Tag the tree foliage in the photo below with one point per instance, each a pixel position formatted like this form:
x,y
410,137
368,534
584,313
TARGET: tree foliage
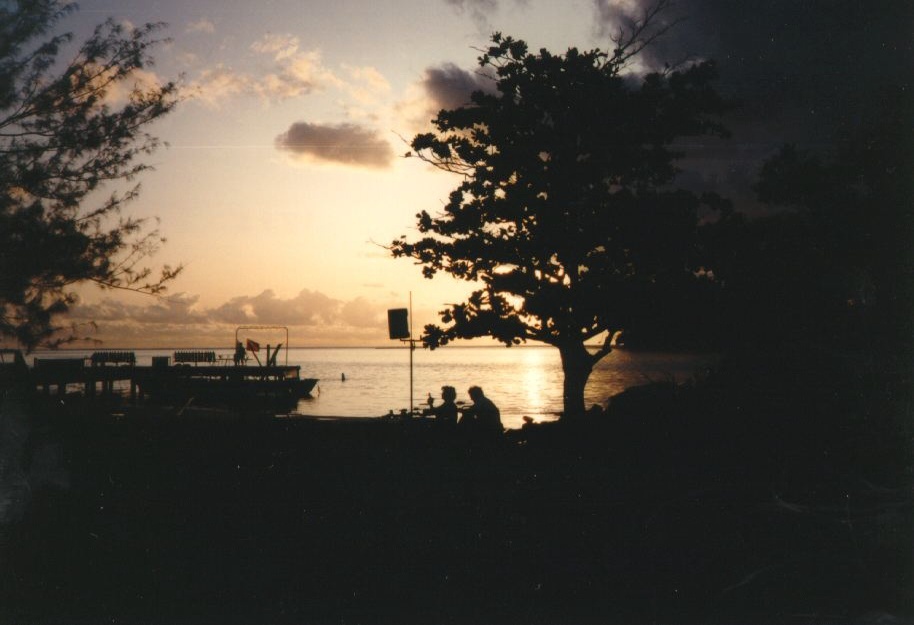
x,y
67,129
567,215
832,263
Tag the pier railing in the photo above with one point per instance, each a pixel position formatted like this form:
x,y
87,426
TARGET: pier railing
x,y
195,357
112,358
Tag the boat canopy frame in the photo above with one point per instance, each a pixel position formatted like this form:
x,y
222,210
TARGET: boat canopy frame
x,y
267,327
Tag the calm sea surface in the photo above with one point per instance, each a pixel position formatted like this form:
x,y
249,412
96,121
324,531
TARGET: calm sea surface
x,y
522,381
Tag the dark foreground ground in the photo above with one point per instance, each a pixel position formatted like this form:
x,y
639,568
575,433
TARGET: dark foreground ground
x,y
676,508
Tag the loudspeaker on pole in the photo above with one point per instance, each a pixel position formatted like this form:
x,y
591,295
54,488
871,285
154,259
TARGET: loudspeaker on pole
x,y
398,323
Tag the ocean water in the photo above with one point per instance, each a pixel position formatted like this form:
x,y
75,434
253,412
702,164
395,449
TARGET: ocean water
x,y
522,381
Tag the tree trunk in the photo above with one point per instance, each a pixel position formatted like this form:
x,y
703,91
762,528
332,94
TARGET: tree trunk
x,y
577,364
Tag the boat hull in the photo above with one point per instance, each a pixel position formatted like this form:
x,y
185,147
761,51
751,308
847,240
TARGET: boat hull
x,y
242,385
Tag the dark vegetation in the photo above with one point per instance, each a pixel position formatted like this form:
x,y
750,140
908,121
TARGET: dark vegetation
x,y
719,503
63,137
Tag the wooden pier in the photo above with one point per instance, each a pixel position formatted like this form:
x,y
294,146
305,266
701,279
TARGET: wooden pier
x,y
191,374
56,374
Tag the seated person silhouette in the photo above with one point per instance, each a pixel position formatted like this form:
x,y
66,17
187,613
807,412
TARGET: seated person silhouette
x,y
446,413
483,417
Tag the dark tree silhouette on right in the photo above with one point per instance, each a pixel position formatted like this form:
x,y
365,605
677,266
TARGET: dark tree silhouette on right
x,y
831,266
567,214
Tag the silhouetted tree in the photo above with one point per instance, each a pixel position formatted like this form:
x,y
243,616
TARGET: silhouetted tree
x,y
567,213
817,302
67,129
851,210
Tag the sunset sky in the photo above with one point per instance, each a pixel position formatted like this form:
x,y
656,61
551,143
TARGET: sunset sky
x,y
284,171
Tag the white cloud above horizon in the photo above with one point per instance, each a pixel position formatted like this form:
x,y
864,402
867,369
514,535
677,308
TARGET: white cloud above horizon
x,y
179,320
202,25
289,73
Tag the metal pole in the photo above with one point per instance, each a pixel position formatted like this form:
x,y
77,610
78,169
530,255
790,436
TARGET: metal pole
x,y
412,346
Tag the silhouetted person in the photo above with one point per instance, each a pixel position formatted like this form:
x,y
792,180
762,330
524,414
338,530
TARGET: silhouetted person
x,y
483,417
239,353
446,413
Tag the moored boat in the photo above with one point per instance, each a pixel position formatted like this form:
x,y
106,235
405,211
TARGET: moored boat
x,y
202,376
225,383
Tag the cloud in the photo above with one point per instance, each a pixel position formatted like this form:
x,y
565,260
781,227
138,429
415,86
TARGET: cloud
x,y
280,46
804,65
294,72
449,86
178,308
284,71
480,10
613,15
366,84
802,72
307,308
201,26
349,144
218,84
179,320
369,76
362,313
442,87
290,73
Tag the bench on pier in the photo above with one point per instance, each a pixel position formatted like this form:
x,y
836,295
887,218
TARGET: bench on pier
x,y
112,358
195,357
48,367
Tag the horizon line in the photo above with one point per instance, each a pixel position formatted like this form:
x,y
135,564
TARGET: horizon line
x,y
229,347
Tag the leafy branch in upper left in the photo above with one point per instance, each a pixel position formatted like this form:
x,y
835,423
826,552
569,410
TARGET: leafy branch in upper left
x,y
68,129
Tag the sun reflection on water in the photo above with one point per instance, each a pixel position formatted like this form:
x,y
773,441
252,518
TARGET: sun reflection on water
x,y
534,381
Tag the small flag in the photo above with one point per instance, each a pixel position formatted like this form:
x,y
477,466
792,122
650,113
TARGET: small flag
x,y
253,346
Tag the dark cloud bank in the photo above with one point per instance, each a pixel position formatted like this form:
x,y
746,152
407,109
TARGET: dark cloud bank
x,y
811,66
449,86
806,73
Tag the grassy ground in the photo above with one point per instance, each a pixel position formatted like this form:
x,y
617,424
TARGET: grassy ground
x,y
677,507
